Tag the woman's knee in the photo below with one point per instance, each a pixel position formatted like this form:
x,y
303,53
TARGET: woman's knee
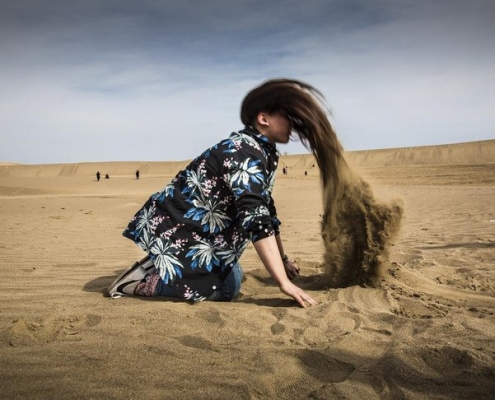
x,y
230,287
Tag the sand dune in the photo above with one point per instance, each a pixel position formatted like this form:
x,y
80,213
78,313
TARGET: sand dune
x,y
89,169
426,331
480,152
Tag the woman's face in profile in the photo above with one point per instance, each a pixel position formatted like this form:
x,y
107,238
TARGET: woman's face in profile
x,y
276,127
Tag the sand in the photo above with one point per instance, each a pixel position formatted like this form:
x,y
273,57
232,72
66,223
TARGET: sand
x,y
427,330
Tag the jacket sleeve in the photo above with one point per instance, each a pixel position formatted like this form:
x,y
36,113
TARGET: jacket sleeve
x,y
273,214
248,176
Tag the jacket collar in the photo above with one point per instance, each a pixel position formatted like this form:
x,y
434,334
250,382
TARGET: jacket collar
x,y
263,140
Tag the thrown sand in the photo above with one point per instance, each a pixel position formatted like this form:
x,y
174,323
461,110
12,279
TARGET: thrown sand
x,y
427,330
357,232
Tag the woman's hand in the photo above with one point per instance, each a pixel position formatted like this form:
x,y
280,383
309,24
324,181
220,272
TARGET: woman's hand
x,y
268,250
297,294
291,268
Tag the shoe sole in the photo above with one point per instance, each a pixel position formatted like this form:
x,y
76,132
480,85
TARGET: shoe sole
x,y
115,290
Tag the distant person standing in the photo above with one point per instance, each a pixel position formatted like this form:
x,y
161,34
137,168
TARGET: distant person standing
x,y
98,175
137,174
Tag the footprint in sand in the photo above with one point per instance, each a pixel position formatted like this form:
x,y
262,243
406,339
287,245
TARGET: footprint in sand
x,y
278,327
212,316
324,368
45,330
196,342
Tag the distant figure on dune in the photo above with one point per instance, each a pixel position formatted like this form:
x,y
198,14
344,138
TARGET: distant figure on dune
x,y
196,228
98,175
137,174
305,173
107,176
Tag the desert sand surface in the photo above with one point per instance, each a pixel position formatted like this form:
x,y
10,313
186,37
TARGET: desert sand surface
x,y
426,331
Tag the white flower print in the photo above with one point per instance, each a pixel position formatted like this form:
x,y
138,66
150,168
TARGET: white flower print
x,y
165,260
145,217
145,240
203,256
246,172
212,217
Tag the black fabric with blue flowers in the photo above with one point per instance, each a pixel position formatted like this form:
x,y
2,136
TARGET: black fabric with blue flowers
x,y
197,227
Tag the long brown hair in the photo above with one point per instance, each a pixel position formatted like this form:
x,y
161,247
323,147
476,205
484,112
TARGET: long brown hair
x,y
305,107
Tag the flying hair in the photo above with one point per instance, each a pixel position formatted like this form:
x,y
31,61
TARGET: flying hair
x,y
356,229
306,109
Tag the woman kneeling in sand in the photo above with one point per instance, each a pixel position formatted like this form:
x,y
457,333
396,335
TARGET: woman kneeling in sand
x,y
196,228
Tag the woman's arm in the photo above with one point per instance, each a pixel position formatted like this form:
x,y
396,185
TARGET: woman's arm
x,y
290,266
269,252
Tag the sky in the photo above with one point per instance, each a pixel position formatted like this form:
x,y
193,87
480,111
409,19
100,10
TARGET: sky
x,y
161,80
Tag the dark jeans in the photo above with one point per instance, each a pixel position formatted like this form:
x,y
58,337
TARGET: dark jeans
x,y
227,291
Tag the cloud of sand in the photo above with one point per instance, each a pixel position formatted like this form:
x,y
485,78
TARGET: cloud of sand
x,y
357,229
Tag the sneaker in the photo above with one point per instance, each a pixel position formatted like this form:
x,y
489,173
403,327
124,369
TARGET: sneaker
x,y
127,282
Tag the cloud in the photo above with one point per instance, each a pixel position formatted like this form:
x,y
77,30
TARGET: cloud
x,y
92,80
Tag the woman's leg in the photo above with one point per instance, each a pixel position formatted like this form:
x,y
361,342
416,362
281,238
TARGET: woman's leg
x,y
228,290
128,281
154,286
230,287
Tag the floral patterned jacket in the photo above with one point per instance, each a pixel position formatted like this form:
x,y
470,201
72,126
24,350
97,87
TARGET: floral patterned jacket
x,y
196,228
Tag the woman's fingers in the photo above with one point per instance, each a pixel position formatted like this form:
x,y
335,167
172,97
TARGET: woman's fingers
x,y
291,269
305,299
298,294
